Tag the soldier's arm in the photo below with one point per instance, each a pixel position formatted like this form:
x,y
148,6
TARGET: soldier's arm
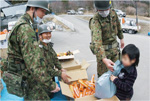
x,y
54,72
97,38
120,33
32,55
52,86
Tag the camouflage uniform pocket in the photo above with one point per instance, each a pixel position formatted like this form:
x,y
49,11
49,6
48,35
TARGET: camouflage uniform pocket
x,y
14,83
93,49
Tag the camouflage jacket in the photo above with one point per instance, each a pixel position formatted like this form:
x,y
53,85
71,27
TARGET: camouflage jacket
x,y
105,31
52,60
23,45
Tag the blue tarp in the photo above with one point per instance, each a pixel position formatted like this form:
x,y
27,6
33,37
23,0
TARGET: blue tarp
x,y
6,96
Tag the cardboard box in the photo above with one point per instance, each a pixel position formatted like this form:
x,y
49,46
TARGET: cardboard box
x,y
87,98
3,53
93,98
114,98
3,37
76,71
73,68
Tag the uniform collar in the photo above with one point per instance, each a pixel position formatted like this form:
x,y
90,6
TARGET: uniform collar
x,y
96,16
45,47
28,19
129,69
41,45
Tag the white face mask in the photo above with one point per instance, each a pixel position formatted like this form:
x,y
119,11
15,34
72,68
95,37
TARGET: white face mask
x,y
37,19
104,13
46,40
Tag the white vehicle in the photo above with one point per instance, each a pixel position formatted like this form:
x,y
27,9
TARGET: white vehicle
x,y
10,14
71,12
80,11
129,26
120,13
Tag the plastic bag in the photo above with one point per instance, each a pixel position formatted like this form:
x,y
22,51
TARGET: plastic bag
x,y
105,88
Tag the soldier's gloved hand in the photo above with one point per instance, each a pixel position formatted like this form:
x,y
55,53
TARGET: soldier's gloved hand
x,y
109,64
122,43
65,77
57,89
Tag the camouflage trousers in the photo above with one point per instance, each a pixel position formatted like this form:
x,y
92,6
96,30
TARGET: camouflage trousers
x,y
112,54
38,93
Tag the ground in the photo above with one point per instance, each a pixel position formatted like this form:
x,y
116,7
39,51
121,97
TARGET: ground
x,y
64,41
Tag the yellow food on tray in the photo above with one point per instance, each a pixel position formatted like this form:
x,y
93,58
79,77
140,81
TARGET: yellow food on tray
x,y
64,54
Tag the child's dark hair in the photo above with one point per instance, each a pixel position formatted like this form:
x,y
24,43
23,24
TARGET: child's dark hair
x,y
133,52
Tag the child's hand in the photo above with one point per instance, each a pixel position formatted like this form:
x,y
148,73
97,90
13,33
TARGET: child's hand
x,y
112,78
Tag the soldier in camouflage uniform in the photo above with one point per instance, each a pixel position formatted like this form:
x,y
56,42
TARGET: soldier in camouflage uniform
x,y
105,27
26,58
44,33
